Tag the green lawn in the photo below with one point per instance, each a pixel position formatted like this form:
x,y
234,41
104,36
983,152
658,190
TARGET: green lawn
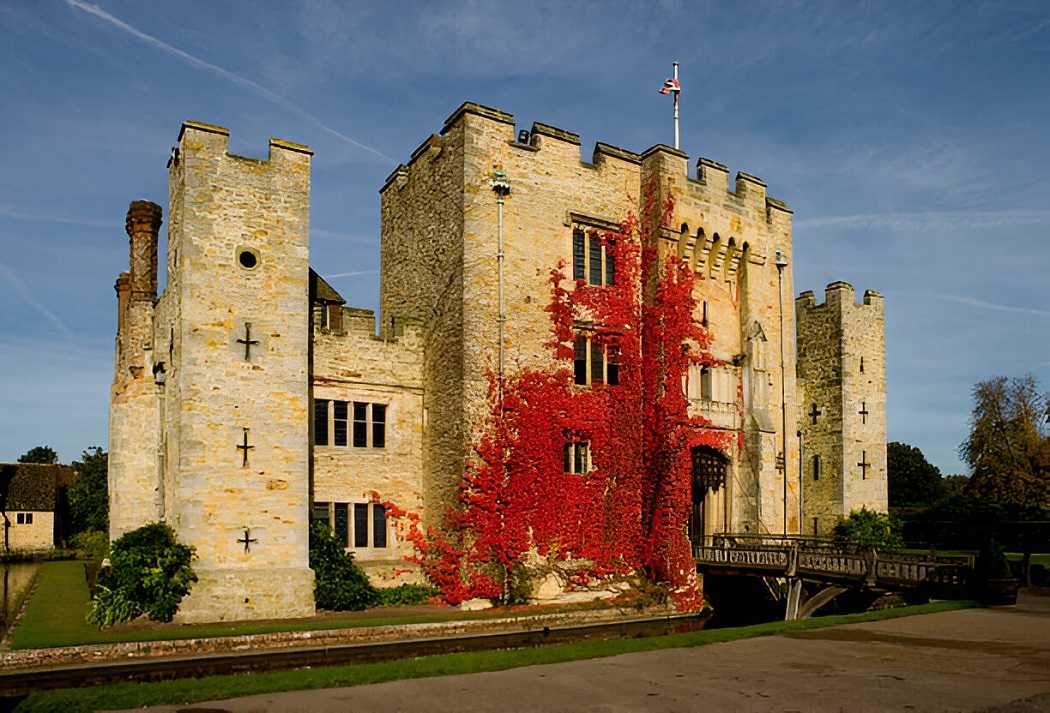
x,y
55,617
1042,558
134,695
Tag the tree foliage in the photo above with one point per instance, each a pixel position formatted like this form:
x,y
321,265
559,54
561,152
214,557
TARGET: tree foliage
x,y
913,481
867,528
89,493
39,454
149,574
1008,442
339,584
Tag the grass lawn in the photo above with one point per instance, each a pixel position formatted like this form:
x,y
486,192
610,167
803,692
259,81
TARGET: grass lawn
x,y
133,695
1041,558
55,617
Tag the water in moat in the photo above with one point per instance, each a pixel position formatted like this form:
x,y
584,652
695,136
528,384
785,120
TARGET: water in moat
x,y
15,579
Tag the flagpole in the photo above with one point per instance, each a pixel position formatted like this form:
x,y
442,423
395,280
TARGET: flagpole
x,y
676,93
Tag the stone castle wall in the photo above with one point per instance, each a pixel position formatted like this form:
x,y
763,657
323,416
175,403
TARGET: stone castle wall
x,y
422,278
552,191
353,364
134,401
226,205
833,338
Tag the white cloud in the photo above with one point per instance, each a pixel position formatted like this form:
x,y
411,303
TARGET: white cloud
x,y
956,220
22,290
237,79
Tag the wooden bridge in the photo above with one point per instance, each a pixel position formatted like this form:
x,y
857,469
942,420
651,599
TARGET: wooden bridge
x,y
835,567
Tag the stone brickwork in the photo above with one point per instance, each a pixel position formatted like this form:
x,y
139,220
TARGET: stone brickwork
x,y
36,535
198,393
351,364
842,406
185,392
440,216
134,402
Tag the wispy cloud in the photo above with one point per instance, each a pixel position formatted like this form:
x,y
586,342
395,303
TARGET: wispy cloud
x,y
47,218
22,290
237,79
348,237
958,220
355,273
982,304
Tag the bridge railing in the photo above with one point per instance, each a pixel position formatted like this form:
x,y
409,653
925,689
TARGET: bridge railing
x,y
795,556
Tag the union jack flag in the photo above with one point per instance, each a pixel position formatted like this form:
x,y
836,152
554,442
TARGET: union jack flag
x,y
671,85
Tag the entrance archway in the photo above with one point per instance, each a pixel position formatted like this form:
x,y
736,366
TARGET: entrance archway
x,y
709,469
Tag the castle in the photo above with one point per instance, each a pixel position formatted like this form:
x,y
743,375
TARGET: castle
x,y
248,399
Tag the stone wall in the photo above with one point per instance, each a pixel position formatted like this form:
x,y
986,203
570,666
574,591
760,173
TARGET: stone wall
x,y
440,207
353,364
422,278
38,535
133,414
223,207
833,338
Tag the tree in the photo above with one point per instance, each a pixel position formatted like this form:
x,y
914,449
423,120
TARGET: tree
x,y
39,454
1008,441
913,481
89,493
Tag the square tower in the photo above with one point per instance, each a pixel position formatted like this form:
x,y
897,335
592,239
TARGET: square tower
x,y
233,327
842,405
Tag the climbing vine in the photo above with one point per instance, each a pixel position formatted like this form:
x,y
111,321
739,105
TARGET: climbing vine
x,y
629,510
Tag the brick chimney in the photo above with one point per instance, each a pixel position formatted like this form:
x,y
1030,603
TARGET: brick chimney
x,y
143,223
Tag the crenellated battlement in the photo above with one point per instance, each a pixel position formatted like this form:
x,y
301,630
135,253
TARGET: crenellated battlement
x,y
200,136
710,174
839,295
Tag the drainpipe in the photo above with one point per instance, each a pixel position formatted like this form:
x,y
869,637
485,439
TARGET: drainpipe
x,y
801,467
501,187
781,263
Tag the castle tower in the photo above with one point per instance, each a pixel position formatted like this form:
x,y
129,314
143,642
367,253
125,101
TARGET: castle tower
x,y
133,425
842,405
233,327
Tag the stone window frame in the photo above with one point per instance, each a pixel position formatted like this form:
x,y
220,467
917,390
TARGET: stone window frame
x,y
371,507
584,239
576,457
350,432
610,365
24,518
719,386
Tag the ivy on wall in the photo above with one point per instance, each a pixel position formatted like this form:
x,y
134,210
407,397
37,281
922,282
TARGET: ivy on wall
x,y
629,511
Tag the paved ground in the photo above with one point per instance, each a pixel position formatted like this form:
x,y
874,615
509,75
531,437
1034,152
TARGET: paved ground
x,y
970,660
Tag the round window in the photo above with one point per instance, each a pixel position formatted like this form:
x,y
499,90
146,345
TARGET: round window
x,y
247,258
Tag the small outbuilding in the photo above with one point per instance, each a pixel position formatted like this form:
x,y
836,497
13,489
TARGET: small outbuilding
x,y
33,505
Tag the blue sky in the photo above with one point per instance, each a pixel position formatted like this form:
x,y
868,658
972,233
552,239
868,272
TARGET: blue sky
x,y
910,139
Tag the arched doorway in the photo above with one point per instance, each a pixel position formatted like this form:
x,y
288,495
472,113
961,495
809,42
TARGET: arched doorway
x,y
709,468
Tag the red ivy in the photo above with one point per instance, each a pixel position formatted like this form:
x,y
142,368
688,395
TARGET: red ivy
x,y
630,511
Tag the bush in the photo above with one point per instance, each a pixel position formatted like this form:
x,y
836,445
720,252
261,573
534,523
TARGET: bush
x,y
339,584
867,528
405,594
149,574
92,544
992,562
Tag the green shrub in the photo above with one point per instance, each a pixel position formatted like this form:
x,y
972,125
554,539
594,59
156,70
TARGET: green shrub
x,y
149,574
339,584
867,528
405,594
91,544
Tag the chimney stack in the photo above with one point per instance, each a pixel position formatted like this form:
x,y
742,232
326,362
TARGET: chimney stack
x,y
143,224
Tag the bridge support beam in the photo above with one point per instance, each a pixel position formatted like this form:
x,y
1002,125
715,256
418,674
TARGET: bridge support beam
x,y
799,607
